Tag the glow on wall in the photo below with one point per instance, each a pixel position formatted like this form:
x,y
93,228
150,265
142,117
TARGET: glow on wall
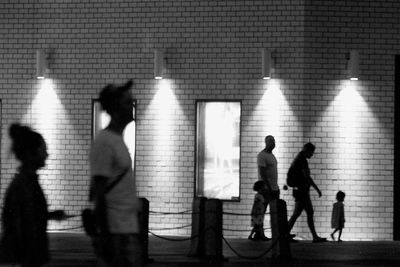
x,y
218,150
271,109
351,139
46,112
101,120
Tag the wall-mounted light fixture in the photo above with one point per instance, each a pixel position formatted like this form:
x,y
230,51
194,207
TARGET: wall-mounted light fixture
x,y
266,64
158,64
41,64
353,65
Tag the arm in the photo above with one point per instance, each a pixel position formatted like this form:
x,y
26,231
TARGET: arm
x,y
343,220
100,186
315,186
306,172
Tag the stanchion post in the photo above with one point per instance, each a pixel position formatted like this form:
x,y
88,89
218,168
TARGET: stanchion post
x,y
213,229
197,243
144,227
280,231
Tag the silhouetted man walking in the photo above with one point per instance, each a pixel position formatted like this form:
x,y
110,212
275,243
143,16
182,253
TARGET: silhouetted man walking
x,y
299,173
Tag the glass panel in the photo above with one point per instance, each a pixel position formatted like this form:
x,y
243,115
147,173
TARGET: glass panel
x,y
218,150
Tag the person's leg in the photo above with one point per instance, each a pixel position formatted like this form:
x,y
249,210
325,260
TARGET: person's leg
x,y
127,250
333,233
340,234
310,216
258,232
298,209
251,233
308,207
261,236
267,198
115,249
103,253
134,251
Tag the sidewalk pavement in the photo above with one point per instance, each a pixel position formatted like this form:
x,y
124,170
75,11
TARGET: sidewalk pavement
x,y
74,250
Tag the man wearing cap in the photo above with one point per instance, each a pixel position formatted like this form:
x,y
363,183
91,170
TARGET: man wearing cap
x,y
113,185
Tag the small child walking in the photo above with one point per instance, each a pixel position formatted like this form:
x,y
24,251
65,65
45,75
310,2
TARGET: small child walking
x,y
338,219
257,212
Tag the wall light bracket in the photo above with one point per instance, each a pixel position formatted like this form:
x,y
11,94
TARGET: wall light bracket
x,y
41,64
159,63
266,64
353,65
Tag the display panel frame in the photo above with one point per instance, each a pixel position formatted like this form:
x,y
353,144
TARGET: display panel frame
x,y
217,149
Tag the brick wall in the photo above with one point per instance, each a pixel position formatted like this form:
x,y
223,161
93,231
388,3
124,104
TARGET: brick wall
x,y
213,52
352,121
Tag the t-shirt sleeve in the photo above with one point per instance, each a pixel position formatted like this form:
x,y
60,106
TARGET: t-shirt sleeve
x,y
261,162
101,159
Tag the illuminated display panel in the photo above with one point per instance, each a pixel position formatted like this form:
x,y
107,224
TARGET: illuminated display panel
x,y
101,120
218,150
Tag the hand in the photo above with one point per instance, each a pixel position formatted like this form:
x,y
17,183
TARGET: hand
x,y
319,194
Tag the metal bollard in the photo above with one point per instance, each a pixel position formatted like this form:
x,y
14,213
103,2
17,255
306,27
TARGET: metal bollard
x,y
197,243
144,227
280,231
213,229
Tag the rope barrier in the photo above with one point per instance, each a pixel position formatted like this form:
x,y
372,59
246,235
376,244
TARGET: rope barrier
x,y
245,230
188,212
67,229
174,239
171,213
181,239
251,257
241,214
171,228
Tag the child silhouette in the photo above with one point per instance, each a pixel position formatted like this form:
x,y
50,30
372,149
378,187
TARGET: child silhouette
x,y
257,212
338,220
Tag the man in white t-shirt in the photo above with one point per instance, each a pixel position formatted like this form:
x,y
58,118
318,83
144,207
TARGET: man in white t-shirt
x,y
267,166
113,184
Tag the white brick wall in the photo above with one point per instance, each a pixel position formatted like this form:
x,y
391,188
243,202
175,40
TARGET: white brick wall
x,y
213,52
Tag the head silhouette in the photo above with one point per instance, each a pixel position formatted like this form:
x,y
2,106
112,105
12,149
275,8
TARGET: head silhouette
x,y
269,143
309,149
117,101
340,196
28,146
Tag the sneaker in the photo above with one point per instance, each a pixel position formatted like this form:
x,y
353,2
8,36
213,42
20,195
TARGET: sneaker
x,y
319,240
